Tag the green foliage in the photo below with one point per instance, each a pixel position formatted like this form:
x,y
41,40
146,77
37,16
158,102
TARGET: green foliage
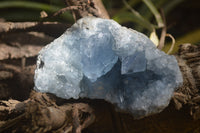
x,y
27,10
145,17
142,15
146,9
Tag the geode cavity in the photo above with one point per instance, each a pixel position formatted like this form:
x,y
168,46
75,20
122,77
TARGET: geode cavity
x,y
99,59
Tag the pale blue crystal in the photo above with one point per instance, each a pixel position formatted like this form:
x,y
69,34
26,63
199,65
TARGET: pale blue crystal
x,y
99,59
95,63
134,63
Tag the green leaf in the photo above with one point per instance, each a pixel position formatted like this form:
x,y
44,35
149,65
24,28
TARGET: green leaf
x,y
35,6
155,12
133,17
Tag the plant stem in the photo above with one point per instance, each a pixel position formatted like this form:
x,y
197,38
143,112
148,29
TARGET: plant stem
x,y
192,37
139,18
155,12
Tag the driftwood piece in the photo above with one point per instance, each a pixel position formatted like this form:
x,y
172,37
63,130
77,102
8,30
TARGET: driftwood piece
x,y
22,44
56,28
88,8
36,112
41,112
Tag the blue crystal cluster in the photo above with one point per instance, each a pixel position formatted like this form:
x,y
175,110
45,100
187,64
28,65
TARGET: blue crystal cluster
x,y
99,59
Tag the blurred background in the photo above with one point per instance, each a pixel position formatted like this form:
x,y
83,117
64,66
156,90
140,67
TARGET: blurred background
x,y
182,16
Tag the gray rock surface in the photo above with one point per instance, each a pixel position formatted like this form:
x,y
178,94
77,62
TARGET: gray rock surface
x,y
99,59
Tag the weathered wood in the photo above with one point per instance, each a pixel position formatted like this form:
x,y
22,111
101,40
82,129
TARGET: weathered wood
x,y
47,113
89,8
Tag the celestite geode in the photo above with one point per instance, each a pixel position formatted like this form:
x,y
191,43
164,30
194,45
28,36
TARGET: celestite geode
x,y
99,59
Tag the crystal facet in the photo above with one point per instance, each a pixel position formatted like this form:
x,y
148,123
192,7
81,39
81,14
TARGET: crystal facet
x,y
99,59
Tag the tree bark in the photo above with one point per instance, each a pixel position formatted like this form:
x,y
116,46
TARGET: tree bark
x,y
89,8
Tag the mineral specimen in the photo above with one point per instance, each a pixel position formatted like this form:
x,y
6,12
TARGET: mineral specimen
x,y
99,59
